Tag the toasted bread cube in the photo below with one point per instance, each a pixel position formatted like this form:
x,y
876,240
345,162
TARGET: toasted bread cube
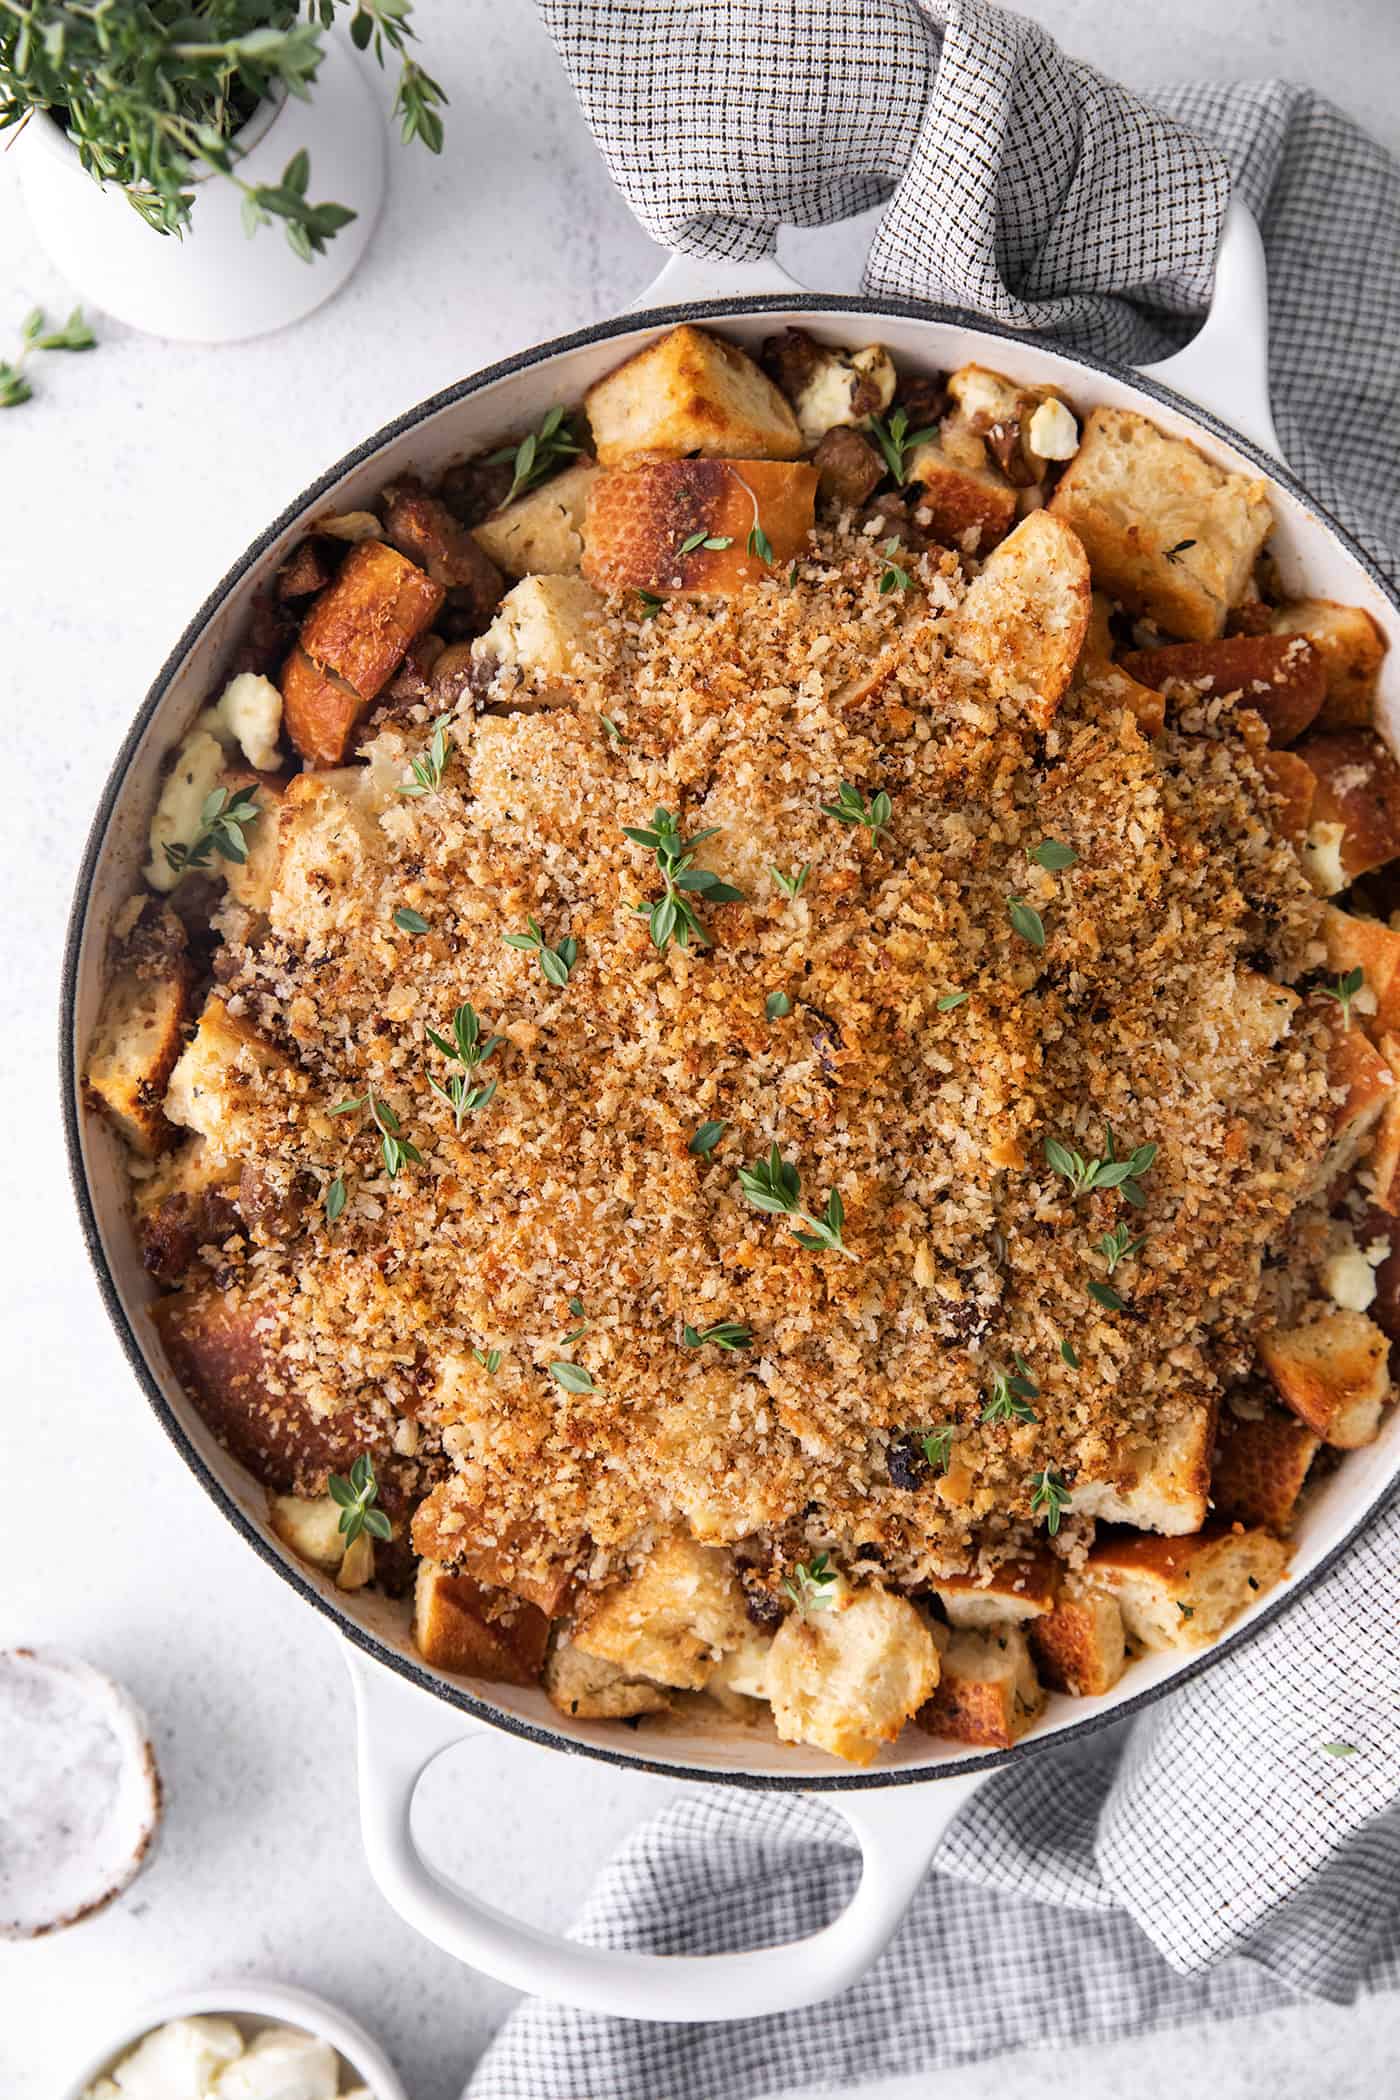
x,y
1382,1168
1360,1073
361,627
320,710
1368,945
1163,1483
1183,1592
593,1690
542,629
690,391
459,1626
1333,1371
961,504
541,533
138,1039
671,1618
1110,687
1352,649
1295,785
848,1677
217,1076
1014,1592
1356,810
1135,495
1025,616
327,834
640,518
1261,1462
449,1527
1280,676
987,1691
250,880
1079,1646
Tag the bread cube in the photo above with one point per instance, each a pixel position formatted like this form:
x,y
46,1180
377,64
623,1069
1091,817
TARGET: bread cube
x,y
219,1078
1167,534
1183,1592
459,1626
1352,649
1355,821
670,1618
848,1677
1014,1592
137,1041
352,641
450,1528
1079,1647
1294,783
1368,945
639,519
987,1692
1025,616
690,391
593,1690
1360,1073
1382,1169
249,881
1163,1482
1261,1462
542,629
541,533
1333,1371
1280,676
327,837
960,504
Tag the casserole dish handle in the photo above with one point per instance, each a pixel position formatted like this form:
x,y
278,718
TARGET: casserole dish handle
x,y
402,1730
1223,369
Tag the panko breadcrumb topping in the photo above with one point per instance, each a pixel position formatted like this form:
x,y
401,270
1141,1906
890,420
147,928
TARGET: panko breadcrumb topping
x,y
569,1224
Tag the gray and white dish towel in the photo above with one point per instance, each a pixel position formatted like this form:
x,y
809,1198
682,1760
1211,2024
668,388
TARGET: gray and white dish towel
x,y
1210,1858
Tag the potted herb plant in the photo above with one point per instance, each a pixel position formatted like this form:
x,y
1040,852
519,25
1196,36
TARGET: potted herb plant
x,y
165,140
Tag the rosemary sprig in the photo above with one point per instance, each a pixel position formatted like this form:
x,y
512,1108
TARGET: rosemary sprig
x,y
850,807
393,1145
556,963
812,1584
672,916
223,828
1049,1498
1011,1396
1344,989
724,1334
430,766
538,454
467,1049
355,1498
774,1185
35,334
896,440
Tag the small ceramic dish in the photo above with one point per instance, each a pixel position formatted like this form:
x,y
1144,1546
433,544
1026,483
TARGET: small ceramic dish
x,y
251,2007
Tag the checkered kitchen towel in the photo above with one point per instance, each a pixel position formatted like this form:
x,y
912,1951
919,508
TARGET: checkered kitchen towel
x,y
1212,1858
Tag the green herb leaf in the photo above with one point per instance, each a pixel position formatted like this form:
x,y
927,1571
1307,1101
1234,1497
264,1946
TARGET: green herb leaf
x,y
427,769
1053,854
1107,1296
1106,1173
896,440
409,921
1344,989
758,543
850,808
950,1000
794,884
555,963
1174,554
615,735
224,821
1011,1395
1067,1352
937,1445
1119,1245
1340,1749
355,1499
538,454
572,1377
774,1185
1026,921
811,1584
335,1199
777,1005
706,1138
489,1359
672,916
725,1334
1049,1498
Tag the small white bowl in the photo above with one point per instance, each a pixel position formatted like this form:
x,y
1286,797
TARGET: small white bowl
x,y
252,2006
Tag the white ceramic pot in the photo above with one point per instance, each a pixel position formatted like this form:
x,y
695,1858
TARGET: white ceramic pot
x,y
252,2006
216,283
1215,394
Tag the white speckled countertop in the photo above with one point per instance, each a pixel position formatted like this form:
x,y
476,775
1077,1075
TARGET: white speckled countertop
x,y
129,485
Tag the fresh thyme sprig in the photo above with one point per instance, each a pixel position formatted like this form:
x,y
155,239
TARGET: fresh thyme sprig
x,y
1344,989
672,916
705,1139
355,1499
556,963
812,1584
1049,1498
489,1359
896,440
1025,920
429,768
573,1377
850,807
1011,1396
383,22
223,826
794,884
774,1185
1106,1173
894,577
937,1445
393,1145
466,1048
758,543
724,1334
335,1198
651,604
1120,1245
713,542
1053,854
538,454
35,334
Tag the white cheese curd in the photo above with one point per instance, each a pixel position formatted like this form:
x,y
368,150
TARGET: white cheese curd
x,y
179,812
250,708
180,2061
282,2064
1348,1279
1053,432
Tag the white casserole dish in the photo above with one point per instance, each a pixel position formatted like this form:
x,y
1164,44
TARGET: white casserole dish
x,y
408,1712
